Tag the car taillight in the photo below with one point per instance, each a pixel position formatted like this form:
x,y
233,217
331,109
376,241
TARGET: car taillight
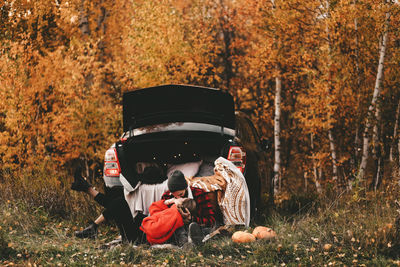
x,y
111,163
238,157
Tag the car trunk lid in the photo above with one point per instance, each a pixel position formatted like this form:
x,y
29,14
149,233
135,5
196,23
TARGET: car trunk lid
x,y
177,103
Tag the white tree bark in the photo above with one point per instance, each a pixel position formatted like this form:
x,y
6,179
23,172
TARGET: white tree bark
x,y
378,175
330,89
83,20
305,175
377,148
357,140
395,134
277,132
398,151
317,173
370,120
277,180
333,154
375,130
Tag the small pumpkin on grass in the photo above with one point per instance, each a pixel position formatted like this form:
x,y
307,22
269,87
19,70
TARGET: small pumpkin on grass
x,y
262,232
243,237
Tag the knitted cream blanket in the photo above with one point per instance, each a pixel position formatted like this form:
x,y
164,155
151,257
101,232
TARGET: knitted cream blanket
x,y
233,194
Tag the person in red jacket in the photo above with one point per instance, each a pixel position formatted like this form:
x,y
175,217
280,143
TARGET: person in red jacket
x,y
163,221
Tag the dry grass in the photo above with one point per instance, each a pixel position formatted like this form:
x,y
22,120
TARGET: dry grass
x,y
37,223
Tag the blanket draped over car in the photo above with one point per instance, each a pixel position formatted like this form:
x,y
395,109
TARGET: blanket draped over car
x,y
231,187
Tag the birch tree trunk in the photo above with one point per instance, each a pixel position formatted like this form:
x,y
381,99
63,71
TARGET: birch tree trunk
x,y
398,151
377,148
330,89
357,140
85,29
315,168
395,134
277,132
333,154
305,176
83,20
277,179
370,120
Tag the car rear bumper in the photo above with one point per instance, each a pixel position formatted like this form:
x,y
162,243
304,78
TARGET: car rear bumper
x,y
112,181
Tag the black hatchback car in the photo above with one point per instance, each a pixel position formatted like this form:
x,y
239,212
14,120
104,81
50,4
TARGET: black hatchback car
x,y
174,124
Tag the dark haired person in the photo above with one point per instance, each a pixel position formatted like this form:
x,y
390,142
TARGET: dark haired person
x,y
205,215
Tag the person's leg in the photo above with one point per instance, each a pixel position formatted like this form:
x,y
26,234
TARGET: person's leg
x,y
81,185
195,234
91,230
118,211
92,191
180,237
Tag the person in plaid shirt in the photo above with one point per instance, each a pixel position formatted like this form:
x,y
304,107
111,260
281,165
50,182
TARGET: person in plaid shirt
x,y
205,218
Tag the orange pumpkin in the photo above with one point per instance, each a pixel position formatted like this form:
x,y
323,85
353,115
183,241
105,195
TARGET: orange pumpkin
x,y
243,237
262,232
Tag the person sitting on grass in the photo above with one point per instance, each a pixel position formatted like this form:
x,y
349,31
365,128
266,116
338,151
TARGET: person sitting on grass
x,y
165,221
204,219
117,209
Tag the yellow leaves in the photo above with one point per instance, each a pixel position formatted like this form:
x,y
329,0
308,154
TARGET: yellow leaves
x,y
327,247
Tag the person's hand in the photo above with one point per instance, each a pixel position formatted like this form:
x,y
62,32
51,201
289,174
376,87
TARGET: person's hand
x,y
176,201
186,216
169,201
179,201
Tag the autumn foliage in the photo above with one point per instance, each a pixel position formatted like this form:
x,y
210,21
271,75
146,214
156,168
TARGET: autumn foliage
x,y
65,64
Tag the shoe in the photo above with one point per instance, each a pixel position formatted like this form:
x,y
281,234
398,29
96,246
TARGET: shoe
x,y
195,234
112,244
181,236
88,232
80,184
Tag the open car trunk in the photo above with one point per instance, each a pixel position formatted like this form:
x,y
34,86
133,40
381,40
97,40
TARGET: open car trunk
x,y
174,124
166,148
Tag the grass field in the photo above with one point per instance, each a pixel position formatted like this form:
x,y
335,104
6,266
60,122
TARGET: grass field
x,y
341,231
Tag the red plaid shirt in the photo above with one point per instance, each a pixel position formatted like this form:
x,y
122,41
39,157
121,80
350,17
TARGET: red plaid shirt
x,y
205,213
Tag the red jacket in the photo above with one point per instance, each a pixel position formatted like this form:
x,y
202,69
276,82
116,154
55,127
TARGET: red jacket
x,y
162,222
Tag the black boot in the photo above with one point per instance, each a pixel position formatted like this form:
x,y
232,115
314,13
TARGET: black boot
x,y
88,232
79,184
181,236
195,234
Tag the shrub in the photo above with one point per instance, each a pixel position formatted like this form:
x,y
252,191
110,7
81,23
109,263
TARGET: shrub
x,y
46,188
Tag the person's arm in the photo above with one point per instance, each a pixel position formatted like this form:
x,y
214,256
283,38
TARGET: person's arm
x,y
205,212
161,226
157,207
167,195
186,216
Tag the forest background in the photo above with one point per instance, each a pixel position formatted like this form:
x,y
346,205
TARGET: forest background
x,y
319,78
